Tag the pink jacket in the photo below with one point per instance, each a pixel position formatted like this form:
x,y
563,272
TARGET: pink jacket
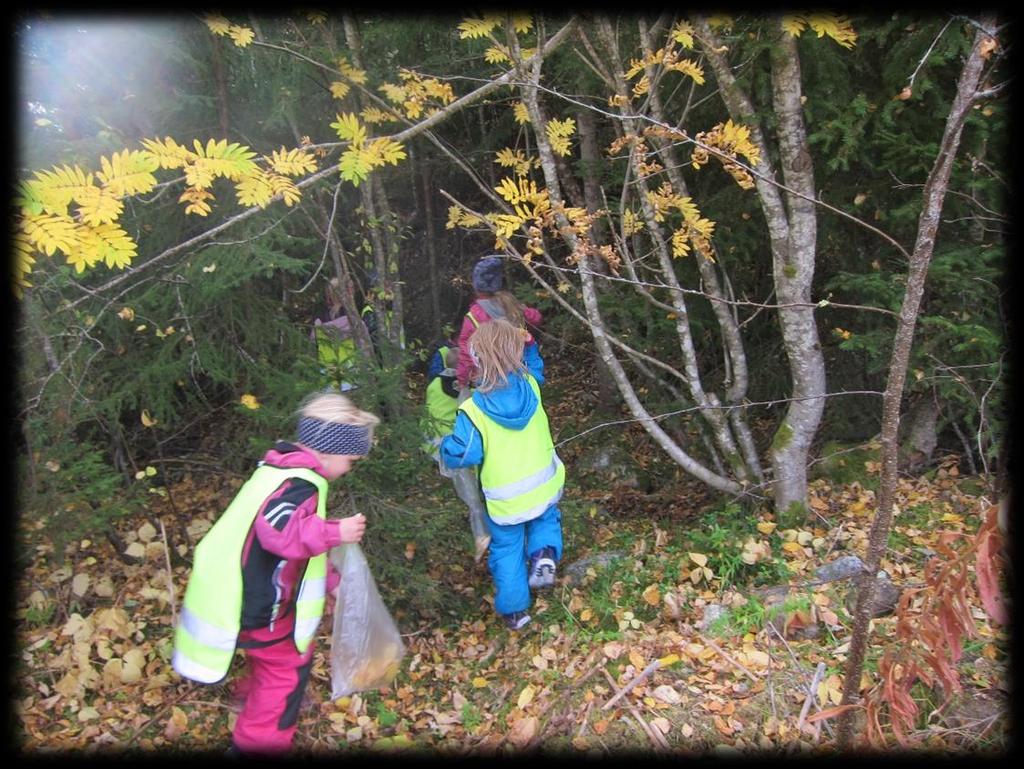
x,y
284,535
464,371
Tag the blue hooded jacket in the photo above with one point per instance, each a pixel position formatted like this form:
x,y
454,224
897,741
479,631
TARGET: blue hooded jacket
x,y
511,406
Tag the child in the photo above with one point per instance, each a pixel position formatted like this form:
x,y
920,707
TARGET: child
x,y
491,302
260,575
441,409
503,428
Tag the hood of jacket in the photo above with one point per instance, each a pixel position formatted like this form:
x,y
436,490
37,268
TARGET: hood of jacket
x,y
512,406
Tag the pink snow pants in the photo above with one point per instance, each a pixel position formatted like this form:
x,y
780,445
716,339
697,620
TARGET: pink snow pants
x,y
273,692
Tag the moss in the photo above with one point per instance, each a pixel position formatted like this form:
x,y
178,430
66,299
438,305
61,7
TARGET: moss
x,y
789,271
782,437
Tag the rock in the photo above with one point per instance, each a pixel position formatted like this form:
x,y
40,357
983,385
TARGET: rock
x,y
575,572
841,568
887,595
712,612
615,465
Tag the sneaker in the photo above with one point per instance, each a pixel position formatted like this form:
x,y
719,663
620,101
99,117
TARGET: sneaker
x,y
542,568
516,620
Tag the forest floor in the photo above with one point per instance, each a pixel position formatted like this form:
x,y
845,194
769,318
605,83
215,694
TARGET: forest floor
x,y
95,627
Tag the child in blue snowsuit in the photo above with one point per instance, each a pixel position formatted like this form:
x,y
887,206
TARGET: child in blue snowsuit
x,y
503,428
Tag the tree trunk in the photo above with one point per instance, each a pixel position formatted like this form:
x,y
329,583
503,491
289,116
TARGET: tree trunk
x,y
928,223
792,237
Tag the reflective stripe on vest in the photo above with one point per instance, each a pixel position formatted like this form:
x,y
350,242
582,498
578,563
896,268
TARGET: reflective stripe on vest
x,y
207,631
521,475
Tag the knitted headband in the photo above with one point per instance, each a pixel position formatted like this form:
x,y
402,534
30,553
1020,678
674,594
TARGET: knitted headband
x,y
334,437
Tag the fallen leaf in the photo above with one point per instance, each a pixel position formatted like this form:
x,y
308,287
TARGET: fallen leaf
x,y
612,650
525,696
652,595
147,532
479,682
523,731
80,584
666,693
177,724
663,724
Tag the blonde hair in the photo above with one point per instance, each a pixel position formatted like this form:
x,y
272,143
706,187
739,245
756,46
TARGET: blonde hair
x,y
498,346
512,307
335,407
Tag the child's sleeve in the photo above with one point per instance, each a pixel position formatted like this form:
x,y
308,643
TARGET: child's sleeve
x,y
287,524
464,447
533,361
532,316
465,366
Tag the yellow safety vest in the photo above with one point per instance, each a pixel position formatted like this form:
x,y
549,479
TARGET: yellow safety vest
x,y
211,614
521,475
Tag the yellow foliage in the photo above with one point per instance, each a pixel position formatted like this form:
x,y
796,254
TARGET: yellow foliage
x,y
355,165
57,188
478,27
496,55
521,113
51,232
196,198
349,129
99,206
642,86
506,224
255,190
22,263
517,161
357,76
838,27
168,153
373,115
107,242
128,172
682,33
522,22
688,67
292,162
381,151
558,132
218,24
242,36
339,89
460,217
395,93
631,224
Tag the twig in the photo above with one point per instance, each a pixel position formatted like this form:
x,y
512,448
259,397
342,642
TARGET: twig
x,y
586,718
170,575
656,738
819,673
190,689
728,659
629,687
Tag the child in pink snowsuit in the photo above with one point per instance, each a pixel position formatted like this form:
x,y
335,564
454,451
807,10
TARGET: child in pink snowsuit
x,y
491,301
284,534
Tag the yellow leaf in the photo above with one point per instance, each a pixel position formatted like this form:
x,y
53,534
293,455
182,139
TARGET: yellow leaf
x,y
147,420
249,401
339,89
698,558
792,547
241,35
217,24
668,659
766,527
652,595
126,313
479,682
525,696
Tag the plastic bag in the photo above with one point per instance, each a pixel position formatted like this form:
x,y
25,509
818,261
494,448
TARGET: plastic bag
x,y
366,647
468,490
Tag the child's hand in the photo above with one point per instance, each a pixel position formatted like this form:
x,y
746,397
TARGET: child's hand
x,y
352,528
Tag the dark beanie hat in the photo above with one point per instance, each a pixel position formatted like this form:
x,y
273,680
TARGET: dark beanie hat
x,y
487,275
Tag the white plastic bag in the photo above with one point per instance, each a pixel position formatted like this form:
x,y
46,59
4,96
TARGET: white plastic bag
x,y
468,490
366,647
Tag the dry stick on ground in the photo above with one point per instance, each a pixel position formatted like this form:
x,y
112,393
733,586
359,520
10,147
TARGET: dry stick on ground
x,y
629,687
170,576
728,659
653,734
819,673
570,689
796,662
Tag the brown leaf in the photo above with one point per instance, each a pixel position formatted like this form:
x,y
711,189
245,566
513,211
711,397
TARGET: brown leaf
x,y
523,731
177,724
